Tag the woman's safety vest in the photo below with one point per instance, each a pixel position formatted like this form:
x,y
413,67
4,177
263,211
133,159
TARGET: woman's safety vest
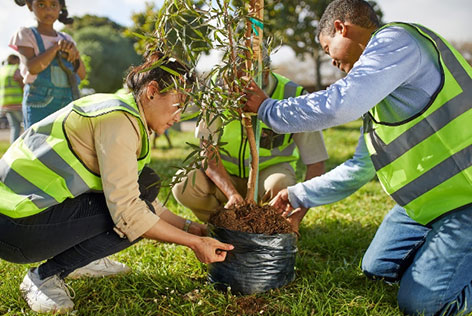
x,y
10,90
424,163
274,148
40,169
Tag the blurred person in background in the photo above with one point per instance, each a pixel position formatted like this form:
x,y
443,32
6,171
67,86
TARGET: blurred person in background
x,y
11,95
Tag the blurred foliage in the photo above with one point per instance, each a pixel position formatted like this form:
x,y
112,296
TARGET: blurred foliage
x,y
291,23
110,52
84,83
294,23
143,25
465,48
91,20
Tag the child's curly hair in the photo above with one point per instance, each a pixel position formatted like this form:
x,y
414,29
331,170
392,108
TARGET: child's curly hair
x,y
63,16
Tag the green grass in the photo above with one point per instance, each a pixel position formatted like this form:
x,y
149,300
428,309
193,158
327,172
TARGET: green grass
x,y
169,280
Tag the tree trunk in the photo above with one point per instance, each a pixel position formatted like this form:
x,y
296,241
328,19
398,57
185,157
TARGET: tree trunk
x,y
256,11
317,62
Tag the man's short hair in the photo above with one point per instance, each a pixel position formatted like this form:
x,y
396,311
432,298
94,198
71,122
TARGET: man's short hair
x,y
358,12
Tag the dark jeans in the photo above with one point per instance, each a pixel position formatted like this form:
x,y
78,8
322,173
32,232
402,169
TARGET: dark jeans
x,y
71,234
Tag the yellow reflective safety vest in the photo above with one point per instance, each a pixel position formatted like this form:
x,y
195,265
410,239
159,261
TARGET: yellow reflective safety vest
x,y
40,169
10,90
424,162
273,149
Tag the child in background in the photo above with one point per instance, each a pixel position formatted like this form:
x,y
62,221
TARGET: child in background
x,y
47,87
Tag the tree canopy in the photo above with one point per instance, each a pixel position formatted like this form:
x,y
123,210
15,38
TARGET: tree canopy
x,y
294,23
92,20
110,53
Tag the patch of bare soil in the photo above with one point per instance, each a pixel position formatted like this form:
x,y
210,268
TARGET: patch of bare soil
x,y
252,218
249,305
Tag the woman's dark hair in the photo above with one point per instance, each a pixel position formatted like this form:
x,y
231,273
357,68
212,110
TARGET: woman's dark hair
x,y
358,12
166,71
63,15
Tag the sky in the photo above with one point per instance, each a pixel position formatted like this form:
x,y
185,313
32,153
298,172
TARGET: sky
x,y
449,18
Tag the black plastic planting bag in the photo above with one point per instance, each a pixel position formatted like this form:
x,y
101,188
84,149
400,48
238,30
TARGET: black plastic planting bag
x,y
257,263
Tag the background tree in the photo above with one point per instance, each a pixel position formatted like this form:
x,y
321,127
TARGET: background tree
x,y
110,52
294,23
92,20
465,48
143,26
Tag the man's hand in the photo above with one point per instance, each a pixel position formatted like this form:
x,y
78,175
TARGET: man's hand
x,y
281,203
254,96
235,199
295,217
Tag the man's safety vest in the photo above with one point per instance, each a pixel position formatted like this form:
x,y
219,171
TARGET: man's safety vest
x,y
424,162
10,90
274,148
41,169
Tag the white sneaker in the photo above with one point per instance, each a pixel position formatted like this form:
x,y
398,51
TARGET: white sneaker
x,y
48,295
100,268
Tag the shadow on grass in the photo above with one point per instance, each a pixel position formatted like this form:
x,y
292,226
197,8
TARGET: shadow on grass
x,y
328,282
347,128
166,168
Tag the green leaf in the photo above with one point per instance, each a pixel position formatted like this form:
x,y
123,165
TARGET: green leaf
x,y
171,71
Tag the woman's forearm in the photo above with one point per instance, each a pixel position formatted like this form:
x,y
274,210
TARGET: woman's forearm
x,y
172,219
167,232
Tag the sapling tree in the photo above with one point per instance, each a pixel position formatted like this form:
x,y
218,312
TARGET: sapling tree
x,y
184,30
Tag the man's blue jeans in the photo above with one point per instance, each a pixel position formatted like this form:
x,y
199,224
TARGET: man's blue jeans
x,y
433,264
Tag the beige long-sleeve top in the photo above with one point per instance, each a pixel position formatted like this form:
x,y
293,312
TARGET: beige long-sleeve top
x,y
109,145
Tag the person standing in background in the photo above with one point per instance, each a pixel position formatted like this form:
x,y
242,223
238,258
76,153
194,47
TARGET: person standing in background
x,y
47,86
11,95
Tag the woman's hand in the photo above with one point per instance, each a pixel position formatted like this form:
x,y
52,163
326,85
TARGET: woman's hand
x,y
209,250
206,249
198,229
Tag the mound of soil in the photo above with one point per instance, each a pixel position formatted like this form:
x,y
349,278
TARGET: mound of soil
x,y
252,218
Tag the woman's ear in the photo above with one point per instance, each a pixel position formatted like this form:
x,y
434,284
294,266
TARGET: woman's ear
x,y
152,89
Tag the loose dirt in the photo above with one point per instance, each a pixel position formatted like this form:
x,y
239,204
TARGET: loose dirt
x,y
252,218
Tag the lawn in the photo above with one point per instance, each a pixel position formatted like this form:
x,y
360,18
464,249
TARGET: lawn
x,y
169,280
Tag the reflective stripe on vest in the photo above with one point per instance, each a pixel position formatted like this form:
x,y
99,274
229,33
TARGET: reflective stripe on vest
x,y
425,162
41,170
234,134
10,90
